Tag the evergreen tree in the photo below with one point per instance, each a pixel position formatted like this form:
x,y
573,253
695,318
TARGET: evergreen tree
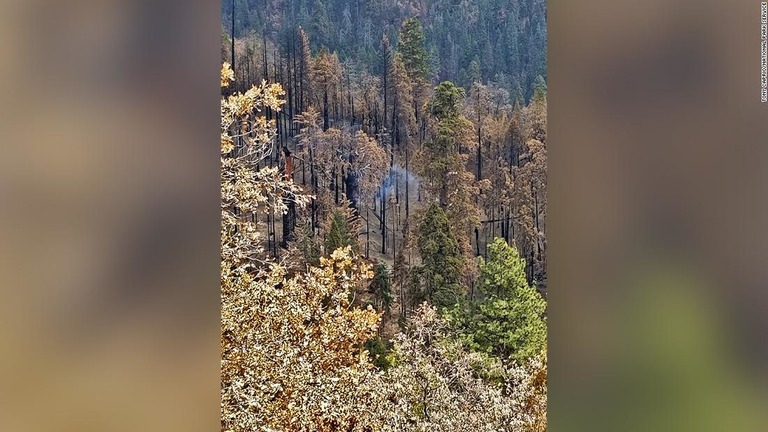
x,y
539,87
339,233
537,112
381,287
401,97
508,38
411,46
321,24
443,163
447,101
417,64
439,277
509,321
307,245
304,72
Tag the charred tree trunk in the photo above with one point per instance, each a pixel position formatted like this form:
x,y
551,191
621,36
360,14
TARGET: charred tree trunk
x,y
336,186
477,241
232,46
325,109
383,220
407,180
313,180
394,231
367,232
351,184
289,218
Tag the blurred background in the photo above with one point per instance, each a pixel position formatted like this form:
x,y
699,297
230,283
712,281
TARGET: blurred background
x,y
109,217
657,139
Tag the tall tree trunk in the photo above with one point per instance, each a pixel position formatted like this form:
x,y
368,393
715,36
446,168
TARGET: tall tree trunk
x,y
266,63
479,156
313,180
351,100
493,223
351,185
302,80
367,232
386,89
325,109
397,188
536,210
383,221
289,88
502,214
407,181
394,231
289,217
232,46
336,186
477,240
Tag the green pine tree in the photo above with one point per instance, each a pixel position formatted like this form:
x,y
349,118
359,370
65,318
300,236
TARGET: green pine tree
x,y
339,234
539,87
413,49
308,245
381,286
442,163
440,274
446,103
509,321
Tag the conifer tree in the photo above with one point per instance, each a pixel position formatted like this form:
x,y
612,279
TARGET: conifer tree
x,y
413,49
530,205
537,112
321,23
416,60
401,98
306,246
305,66
479,102
338,234
443,163
439,277
381,287
509,320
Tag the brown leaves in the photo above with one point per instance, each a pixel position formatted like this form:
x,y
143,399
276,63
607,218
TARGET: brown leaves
x,y
227,75
292,346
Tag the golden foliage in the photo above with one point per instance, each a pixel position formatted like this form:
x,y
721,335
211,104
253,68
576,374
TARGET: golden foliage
x,y
291,341
291,353
291,356
227,74
527,386
246,140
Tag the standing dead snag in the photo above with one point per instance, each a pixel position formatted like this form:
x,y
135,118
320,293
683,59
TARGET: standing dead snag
x,y
289,216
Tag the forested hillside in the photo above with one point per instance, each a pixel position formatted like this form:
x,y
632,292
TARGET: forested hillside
x,y
499,41
383,228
